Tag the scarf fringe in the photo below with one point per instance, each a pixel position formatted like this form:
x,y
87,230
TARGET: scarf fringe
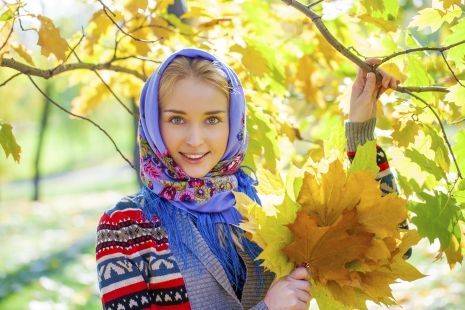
x,y
217,234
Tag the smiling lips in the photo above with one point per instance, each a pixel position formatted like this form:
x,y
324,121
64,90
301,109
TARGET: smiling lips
x,y
193,157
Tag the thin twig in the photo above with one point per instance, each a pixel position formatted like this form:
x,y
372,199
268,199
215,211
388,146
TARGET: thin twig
x,y
418,49
450,69
106,10
83,118
72,51
10,78
442,129
113,93
8,36
107,86
310,5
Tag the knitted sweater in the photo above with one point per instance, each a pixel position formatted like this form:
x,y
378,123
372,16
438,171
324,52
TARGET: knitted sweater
x,y
137,270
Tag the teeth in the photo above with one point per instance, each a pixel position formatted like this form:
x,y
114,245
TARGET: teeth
x,y
193,156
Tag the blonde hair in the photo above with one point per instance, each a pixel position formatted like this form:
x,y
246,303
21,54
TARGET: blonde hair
x,y
184,67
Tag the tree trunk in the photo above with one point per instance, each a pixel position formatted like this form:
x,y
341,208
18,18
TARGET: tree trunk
x,y
43,127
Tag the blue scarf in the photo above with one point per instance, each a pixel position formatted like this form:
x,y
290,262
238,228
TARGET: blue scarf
x,y
209,202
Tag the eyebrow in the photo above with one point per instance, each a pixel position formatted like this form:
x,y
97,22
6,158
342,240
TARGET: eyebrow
x,y
184,113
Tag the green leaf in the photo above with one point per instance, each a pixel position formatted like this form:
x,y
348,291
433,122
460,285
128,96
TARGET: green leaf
x,y
441,155
425,163
416,72
457,53
408,187
365,158
456,95
386,9
437,217
459,149
428,17
262,140
8,142
7,15
405,135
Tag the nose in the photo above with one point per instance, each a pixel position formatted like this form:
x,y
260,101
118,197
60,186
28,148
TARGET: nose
x,y
195,136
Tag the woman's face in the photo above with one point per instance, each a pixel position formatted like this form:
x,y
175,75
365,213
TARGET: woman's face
x,y
194,123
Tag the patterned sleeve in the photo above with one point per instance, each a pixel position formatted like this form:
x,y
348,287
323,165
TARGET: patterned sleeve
x,y
357,134
121,282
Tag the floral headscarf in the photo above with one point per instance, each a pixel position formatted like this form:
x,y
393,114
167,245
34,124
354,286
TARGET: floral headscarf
x,y
160,173
208,201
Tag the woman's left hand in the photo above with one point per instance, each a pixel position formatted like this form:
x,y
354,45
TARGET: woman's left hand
x,y
365,92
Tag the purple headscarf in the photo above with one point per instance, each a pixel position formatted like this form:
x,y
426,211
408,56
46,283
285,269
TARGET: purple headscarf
x,y
208,201
160,173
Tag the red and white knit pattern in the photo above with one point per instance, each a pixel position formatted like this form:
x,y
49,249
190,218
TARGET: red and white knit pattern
x,y
136,269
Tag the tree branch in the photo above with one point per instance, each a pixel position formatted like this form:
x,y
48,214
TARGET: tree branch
x,y
418,49
316,19
420,89
46,74
346,52
82,117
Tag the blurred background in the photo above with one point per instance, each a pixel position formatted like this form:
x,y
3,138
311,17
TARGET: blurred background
x,y
70,173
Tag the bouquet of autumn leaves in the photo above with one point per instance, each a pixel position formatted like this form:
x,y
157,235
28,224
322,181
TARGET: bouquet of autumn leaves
x,y
342,227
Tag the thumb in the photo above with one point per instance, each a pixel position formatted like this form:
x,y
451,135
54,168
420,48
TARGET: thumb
x,y
370,85
300,273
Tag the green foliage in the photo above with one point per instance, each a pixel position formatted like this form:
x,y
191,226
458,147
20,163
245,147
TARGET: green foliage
x,y
8,142
437,217
365,158
294,80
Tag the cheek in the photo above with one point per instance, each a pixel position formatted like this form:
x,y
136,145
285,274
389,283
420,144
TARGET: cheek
x,y
220,136
170,136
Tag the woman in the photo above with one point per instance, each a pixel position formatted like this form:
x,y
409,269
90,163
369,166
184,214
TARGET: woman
x,y
176,245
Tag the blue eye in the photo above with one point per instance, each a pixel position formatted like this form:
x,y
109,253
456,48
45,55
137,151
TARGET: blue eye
x,y
176,120
213,120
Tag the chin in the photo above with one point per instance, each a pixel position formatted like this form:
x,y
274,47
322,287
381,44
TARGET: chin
x,y
196,174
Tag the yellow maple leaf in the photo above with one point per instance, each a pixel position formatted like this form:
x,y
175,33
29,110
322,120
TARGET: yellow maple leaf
x,y
327,249
50,39
23,52
252,59
346,230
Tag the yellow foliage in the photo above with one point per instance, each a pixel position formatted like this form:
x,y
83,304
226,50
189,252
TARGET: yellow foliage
x,y
252,59
50,39
98,26
345,229
90,96
23,53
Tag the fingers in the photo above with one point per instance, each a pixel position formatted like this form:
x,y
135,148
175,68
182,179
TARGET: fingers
x,y
359,82
373,61
303,296
300,273
370,86
301,285
388,81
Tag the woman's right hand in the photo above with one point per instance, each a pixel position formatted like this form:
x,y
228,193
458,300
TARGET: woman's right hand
x,y
290,292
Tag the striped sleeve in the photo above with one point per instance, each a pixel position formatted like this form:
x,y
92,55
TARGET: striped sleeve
x,y
357,134
121,283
